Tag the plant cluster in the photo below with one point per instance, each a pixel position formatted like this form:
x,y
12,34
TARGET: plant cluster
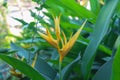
x,y
68,42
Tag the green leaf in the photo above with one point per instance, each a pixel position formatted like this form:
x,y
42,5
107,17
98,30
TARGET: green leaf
x,y
104,73
116,66
118,9
99,32
46,70
105,49
100,47
95,6
21,21
117,42
67,69
23,67
28,41
64,7
4,50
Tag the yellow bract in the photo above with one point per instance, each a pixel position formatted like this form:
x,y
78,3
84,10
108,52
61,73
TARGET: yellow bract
x,y
66,45
57,27
48,37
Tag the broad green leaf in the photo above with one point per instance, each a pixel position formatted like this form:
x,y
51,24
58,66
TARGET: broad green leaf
x,y
99,32
23,67
46,70
67,69
116,66
64,7
104,73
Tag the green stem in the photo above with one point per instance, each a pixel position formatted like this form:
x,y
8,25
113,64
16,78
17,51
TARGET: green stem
x,y
60,74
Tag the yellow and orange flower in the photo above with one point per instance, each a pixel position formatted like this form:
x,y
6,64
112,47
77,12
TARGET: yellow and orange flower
x,y
66,45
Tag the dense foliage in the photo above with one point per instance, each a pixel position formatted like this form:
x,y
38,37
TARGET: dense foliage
x,y
94,56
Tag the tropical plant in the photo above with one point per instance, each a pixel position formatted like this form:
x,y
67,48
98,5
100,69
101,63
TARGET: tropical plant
x,y
93,55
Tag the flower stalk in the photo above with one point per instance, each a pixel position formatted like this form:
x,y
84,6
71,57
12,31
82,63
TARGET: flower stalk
x,y
60,71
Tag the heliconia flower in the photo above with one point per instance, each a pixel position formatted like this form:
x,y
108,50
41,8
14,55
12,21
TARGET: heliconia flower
x,y
66,45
